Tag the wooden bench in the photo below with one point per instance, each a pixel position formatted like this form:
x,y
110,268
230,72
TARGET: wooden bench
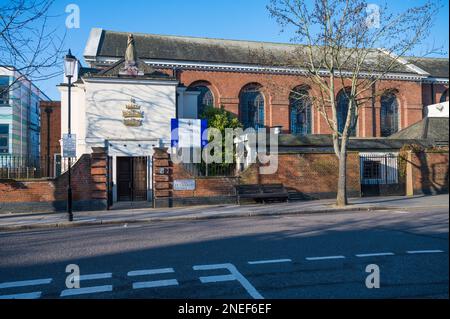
x,y
262,193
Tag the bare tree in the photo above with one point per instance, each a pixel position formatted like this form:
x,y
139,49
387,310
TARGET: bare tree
x,y
338,48
27,42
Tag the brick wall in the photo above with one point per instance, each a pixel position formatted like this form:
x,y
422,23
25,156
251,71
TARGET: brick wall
x,y
208,190
429,171
306,175
432,93
55,127
309,175
226,87
88,188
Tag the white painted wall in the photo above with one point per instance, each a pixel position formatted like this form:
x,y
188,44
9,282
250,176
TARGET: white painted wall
x,y
97,118
106,101
438,110
97,111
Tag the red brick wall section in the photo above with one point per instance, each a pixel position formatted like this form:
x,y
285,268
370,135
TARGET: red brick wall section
x,y
165,172
430,172
55,130
276,88
204,186
311,174
88,183
427,93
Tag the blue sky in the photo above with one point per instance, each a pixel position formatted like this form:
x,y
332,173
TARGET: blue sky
x,y
230,19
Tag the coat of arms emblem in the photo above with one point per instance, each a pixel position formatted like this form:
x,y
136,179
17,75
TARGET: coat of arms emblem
x,y
132,116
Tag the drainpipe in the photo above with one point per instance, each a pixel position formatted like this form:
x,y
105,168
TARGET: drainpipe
x,y
48,111
433,97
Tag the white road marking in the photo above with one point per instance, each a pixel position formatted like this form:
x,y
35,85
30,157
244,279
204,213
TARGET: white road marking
x,y
273,261
150,272
435,251
324,258
234,275
374,254
105,275
28,295
155,283
87,290
25,283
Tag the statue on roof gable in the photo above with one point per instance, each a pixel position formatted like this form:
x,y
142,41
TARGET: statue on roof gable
x,y
131,64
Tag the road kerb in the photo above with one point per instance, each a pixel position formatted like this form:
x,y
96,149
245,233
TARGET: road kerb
x,y
97,222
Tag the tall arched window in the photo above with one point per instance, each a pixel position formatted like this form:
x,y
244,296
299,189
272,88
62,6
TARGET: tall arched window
x,y
342,112
300,111
389,114
251,106
444,97
205,98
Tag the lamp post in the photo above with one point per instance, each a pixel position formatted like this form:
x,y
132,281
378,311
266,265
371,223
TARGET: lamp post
x,y
69,69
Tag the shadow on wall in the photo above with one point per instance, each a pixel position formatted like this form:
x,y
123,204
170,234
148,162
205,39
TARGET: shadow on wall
x,y
434,177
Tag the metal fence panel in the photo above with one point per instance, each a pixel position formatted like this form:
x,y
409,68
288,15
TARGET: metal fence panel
x,y
22,167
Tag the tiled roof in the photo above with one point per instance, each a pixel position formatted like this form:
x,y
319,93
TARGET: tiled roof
x,y
111,44
431,128
436,67
289,141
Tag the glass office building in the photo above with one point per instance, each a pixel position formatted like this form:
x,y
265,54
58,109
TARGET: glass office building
x,y
19,116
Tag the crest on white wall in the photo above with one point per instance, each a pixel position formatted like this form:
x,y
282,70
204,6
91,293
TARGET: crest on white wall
x,y
133,115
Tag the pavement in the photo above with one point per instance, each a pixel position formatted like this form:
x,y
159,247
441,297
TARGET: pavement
x,y
338,255
17,221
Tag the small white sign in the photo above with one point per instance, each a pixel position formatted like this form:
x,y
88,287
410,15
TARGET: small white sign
x,y
69,145
189,132
184,184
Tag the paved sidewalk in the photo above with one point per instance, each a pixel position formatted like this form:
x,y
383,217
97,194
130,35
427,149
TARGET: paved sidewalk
x,y
14,221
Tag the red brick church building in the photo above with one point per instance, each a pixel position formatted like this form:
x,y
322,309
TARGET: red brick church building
x,y
227,76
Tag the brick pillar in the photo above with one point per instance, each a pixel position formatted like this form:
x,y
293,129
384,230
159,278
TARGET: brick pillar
x,y
409,175
99,171
162,178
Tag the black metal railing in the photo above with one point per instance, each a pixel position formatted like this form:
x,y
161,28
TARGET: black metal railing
x,y
24,167
210,170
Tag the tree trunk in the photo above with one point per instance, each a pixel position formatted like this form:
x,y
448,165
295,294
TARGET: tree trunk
x,y
341,199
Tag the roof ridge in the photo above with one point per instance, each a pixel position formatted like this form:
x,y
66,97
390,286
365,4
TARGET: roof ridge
x,y
425,58
204,38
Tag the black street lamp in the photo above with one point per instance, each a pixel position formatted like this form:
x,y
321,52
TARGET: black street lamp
x,y
70,63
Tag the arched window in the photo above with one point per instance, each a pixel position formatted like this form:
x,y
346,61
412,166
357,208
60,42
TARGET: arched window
x,y
205,98
342,112
251,106
444,97
389,114
300,111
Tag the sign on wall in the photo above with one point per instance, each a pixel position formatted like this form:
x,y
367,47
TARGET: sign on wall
x,y
188,133
184,184
69,145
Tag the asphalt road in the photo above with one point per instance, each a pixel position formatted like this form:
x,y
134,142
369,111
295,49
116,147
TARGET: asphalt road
x,y
314,256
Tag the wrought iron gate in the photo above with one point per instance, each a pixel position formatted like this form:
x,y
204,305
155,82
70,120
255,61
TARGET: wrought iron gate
x,y
380,175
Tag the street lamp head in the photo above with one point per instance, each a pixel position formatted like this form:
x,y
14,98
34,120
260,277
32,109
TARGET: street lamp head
x,y
70,63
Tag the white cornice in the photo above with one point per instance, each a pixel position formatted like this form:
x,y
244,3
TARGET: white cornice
x,y
406,63
226,67
436,80
130,81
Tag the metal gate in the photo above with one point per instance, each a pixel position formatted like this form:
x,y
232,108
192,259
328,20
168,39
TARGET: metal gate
x,y
131,178
380,175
